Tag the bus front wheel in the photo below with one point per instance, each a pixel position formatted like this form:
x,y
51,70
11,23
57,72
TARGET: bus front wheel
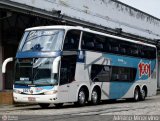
x,y
44,105
95,97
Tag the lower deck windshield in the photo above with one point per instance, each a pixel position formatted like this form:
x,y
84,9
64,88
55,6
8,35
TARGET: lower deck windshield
x,y
37,71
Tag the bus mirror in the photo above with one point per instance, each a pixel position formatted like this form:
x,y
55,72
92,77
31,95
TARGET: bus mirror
x,y
56,64
5,64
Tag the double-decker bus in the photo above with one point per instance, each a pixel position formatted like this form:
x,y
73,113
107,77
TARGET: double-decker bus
x,y
59,64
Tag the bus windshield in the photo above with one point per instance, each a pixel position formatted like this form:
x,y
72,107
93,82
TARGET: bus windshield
x,y
42,40
37,71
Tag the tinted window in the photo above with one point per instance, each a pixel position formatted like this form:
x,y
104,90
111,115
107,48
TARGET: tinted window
x,y
104,73
95,42
123,48
88,41
147,52
114,46
100,73
67,70
123,74
71,41
63,75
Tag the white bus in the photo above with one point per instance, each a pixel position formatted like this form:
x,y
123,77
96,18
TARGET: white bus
x,y
59,64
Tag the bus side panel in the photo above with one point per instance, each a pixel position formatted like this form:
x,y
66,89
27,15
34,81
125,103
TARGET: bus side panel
x,y
98,59
152,85
105,90
82,75
119,89
145,69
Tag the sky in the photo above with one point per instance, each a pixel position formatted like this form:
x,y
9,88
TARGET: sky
x,y
151,7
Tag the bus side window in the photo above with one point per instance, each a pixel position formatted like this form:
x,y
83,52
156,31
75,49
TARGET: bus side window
x,y
63,75
126,74
107,45
100,73
115,46
99,43
148,52
123,47
71,41
88,41
67,70
89,45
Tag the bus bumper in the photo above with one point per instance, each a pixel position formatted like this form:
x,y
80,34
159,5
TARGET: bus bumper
x,y
35,98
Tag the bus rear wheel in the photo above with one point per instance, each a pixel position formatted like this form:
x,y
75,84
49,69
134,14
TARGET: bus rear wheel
x,y
136,94
95,97
143,94
44,105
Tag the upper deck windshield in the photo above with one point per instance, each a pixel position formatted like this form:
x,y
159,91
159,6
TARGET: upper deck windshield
x,y
42,40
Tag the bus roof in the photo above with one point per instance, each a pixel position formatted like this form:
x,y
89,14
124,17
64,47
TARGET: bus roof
x,y
86,30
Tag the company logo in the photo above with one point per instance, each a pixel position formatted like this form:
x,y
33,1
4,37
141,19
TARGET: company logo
x,y
9,118
39,89
4,118
144,69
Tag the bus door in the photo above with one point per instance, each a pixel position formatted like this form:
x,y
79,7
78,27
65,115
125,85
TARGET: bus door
x,y
68,65
67,73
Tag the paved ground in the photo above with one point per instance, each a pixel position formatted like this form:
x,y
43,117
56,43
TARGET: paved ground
x,y
106,111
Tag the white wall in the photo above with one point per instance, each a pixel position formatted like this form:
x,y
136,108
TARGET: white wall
x,y
103,12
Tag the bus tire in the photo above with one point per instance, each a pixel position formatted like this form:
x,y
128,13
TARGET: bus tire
x,y
58,105
143,94
44,105
136,94
82,97
95,97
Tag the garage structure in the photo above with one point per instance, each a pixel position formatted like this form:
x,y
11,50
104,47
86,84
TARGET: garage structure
x,y
13,25
15,17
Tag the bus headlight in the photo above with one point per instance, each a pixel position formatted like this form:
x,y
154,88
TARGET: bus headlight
x,y
50,92
17,91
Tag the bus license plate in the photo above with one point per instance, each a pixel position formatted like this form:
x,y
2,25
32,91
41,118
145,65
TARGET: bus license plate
x,y
32,99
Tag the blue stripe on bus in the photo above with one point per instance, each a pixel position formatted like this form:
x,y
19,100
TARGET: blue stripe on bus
x,y
37,54
119,89
28,87
21,86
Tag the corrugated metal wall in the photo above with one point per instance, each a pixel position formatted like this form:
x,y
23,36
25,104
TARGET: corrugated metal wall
x,y
107,13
